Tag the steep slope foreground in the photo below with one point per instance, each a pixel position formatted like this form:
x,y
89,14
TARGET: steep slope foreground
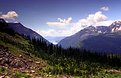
x,y
17,57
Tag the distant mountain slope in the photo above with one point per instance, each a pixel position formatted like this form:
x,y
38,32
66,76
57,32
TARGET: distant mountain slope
x,y
19,28
100,38
75,40
104,43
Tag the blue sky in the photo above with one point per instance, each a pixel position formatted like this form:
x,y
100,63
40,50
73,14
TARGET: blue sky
x,y
60,17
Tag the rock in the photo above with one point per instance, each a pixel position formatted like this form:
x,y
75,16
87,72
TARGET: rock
x,y
32,71
7,59
37,62
2,76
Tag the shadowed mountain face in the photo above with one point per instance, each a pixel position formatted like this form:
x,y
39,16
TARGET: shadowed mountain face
x,y
18,27
104,43
100,38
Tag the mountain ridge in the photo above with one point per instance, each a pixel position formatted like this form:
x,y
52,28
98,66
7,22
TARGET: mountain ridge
x,y
22,30
19,28
87,38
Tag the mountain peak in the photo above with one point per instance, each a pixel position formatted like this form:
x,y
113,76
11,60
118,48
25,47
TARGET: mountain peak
x,y
116,23
89,29
115,26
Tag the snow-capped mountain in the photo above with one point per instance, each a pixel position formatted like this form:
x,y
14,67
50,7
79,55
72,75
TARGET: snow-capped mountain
x,y
115,26
74,40
99,38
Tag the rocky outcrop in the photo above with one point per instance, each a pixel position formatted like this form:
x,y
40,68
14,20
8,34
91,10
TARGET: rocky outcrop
x,y
8,59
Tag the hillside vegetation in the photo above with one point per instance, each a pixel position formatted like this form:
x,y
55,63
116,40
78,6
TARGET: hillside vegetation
x,y
23,57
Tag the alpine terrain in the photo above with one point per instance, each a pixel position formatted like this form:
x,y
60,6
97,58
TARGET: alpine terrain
x,y
26,54
99,38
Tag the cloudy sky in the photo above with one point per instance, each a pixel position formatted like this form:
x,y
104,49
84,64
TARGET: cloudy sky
x,y
56,18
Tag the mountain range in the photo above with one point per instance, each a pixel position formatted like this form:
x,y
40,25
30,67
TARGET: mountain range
x,y
95,38
98,39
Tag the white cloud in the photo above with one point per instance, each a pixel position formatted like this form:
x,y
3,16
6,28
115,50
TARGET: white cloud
x,y
104,23
105,8
61,24
54,33
10,15
96,19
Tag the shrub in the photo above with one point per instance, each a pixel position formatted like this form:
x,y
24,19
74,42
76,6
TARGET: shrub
x,y
22,75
